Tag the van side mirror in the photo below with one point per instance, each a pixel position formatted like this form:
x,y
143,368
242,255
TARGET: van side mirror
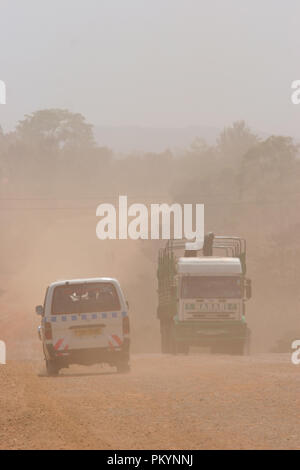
x,y
39,310
248,289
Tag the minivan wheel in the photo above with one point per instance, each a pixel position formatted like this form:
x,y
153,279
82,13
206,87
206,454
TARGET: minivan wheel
x,y
123,367
52,368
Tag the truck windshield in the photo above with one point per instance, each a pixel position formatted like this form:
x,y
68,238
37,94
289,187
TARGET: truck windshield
x,y
85,298
211,287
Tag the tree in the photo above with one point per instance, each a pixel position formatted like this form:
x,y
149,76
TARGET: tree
x,y
276,153
270,165
56,129
236,140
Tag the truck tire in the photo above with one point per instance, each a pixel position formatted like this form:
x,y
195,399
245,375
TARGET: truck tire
x,y
166,338
52,368
183,348
238,349
174,346
242,348
247,348
219,349
177,347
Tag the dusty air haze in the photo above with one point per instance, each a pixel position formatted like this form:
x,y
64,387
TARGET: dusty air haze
x,y
162,101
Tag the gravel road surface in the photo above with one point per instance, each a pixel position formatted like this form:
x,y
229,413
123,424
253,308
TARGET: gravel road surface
x,y
166,402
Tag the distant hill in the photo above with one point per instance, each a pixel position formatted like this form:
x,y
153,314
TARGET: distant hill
x,y
151,139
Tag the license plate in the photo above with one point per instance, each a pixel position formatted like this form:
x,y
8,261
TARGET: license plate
x,y
88,332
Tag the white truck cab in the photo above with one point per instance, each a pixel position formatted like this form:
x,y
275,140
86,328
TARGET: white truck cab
x,y
84,321
210,288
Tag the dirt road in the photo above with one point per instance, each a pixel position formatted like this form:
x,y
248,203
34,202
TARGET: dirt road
x,y
195,402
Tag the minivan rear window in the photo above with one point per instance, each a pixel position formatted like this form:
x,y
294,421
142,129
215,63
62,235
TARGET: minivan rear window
x,y
85,298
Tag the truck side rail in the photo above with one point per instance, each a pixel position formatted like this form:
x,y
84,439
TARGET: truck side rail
x,y
233,246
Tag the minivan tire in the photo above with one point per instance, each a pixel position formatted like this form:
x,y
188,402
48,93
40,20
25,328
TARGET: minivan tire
x,y
52,368
123,368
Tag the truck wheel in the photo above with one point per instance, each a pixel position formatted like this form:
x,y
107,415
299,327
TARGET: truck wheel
x,y
174,345
52,368
183,348
123,368
166,338
218,349
177,347
247,348
238,349
242,348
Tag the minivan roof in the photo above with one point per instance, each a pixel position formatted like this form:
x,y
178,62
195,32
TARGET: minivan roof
x,y
89,280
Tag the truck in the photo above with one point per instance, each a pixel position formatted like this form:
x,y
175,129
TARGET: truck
x,y
202,294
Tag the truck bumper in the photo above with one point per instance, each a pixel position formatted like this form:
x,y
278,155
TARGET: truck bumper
x,y
208,333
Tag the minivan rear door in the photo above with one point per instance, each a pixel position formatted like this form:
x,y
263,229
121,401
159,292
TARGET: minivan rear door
x,y
86,315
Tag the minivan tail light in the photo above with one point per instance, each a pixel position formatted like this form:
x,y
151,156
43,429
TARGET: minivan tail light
x,y
126,327
48,330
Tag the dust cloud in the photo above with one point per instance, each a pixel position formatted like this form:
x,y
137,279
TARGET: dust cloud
x,y
66,247
52,181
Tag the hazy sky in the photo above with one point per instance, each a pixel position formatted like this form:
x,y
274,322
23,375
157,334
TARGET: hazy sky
x,y
153,62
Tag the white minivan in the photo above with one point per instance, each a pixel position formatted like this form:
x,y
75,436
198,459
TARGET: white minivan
x,y
84,321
